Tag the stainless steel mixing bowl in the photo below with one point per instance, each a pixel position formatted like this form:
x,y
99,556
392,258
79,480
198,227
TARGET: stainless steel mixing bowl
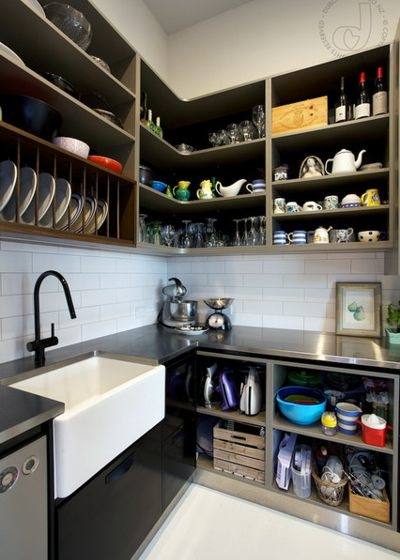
x,y
218,303
183,310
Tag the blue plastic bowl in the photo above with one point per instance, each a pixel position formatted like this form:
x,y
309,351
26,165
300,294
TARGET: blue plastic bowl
x,y
159,186
301,414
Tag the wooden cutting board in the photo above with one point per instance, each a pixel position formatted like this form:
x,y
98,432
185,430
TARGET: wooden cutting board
x,y
303,114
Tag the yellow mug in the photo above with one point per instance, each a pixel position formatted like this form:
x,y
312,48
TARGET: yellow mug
x,y
371,198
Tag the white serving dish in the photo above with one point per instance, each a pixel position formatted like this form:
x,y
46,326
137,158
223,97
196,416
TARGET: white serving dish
x,y
109,404
72,145
5,50
8,178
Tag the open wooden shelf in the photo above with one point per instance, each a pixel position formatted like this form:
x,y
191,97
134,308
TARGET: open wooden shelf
x,y
236,416
352,212
314,431
156,201
363,130
79,120
341,181
352,246
40,37
159,153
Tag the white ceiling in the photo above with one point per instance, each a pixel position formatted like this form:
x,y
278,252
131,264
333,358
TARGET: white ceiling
x,y
175,15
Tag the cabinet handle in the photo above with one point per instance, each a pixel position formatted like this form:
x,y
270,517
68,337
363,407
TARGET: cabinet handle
x,y
121,470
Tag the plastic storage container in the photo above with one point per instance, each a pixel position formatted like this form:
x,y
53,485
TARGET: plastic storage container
x,y
374,430
301,471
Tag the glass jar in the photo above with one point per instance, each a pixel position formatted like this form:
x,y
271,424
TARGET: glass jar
x,y
329,423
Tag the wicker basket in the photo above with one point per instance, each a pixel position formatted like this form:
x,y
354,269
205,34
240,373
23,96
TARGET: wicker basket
x,y
330,492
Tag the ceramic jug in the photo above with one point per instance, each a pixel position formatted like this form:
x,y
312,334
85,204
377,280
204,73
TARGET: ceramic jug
x,y
344,162
371,198
321,235
205,191
230,190
181,190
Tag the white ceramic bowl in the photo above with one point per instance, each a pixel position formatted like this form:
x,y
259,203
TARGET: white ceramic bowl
x,y
369,236
72,145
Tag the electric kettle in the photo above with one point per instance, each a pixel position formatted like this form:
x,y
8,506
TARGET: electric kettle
x,y
251,393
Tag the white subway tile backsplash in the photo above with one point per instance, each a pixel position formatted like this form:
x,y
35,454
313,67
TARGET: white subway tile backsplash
x,y
290,291
105,286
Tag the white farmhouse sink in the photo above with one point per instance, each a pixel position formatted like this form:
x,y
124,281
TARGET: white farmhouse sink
x,y
109,404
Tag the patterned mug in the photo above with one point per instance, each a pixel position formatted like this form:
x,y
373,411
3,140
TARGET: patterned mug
x,y
331,202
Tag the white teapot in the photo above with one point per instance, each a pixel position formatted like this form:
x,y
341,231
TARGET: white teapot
x,y
344,162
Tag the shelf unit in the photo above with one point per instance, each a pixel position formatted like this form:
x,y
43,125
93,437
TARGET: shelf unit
x,y
376,134
275,425
96,88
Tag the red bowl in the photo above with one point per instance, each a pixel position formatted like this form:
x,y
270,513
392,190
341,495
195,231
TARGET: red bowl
x,y
106,162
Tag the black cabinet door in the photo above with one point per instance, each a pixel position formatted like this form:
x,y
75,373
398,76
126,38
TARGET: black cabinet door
x,y
110,516
179,427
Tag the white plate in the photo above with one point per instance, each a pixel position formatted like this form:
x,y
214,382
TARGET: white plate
x,y
36,7
46,191
27,189
62,199
11,54
89,211
75,210
8,178
101,213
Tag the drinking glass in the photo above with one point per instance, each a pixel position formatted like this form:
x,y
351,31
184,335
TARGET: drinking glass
x,y
224,139
245,237
248,130
157,232
186,241
142,228
258,114
198,241
253,237
211,233
263,229
234,133
168,234
237,240
213,139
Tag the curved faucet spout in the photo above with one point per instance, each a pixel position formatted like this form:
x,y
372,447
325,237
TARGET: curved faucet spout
x,y
38,345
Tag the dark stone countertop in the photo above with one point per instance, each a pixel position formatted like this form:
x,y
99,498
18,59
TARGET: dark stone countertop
x,y
159,344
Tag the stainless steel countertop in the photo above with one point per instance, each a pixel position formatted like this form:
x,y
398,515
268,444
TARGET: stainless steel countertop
x,y
160,345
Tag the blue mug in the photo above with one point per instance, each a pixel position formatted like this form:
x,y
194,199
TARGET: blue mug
x,y
298,237
280,237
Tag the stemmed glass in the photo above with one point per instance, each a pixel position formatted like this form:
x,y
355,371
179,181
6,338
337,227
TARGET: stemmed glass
x,y
248,130
259,119
186,241
245,238
253,234
198,237
211,234
237,240
213,139
168,234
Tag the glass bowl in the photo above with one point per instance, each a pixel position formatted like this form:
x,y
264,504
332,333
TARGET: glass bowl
x,y
71,22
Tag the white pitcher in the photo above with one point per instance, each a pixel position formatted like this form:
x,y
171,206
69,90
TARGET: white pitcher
x,y
344,162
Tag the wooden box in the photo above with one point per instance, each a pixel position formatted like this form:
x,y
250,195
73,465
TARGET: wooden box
x,y
240,454
374,509
303,114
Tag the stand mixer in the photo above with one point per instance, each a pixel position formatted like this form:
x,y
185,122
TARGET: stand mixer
x,y
177,312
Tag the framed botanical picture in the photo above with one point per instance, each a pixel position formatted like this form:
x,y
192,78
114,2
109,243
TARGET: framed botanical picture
x,y
359,309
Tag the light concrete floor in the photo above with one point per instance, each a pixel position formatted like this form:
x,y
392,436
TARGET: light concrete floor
x,y
209,525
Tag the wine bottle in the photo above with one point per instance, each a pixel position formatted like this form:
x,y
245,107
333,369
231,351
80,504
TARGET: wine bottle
x,y
363,103
341,107
380,96
159,130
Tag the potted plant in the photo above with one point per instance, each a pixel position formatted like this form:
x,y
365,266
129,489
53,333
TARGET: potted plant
x,y
393,320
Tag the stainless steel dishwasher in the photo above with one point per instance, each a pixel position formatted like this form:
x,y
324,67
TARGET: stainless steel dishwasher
x,y
23,503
